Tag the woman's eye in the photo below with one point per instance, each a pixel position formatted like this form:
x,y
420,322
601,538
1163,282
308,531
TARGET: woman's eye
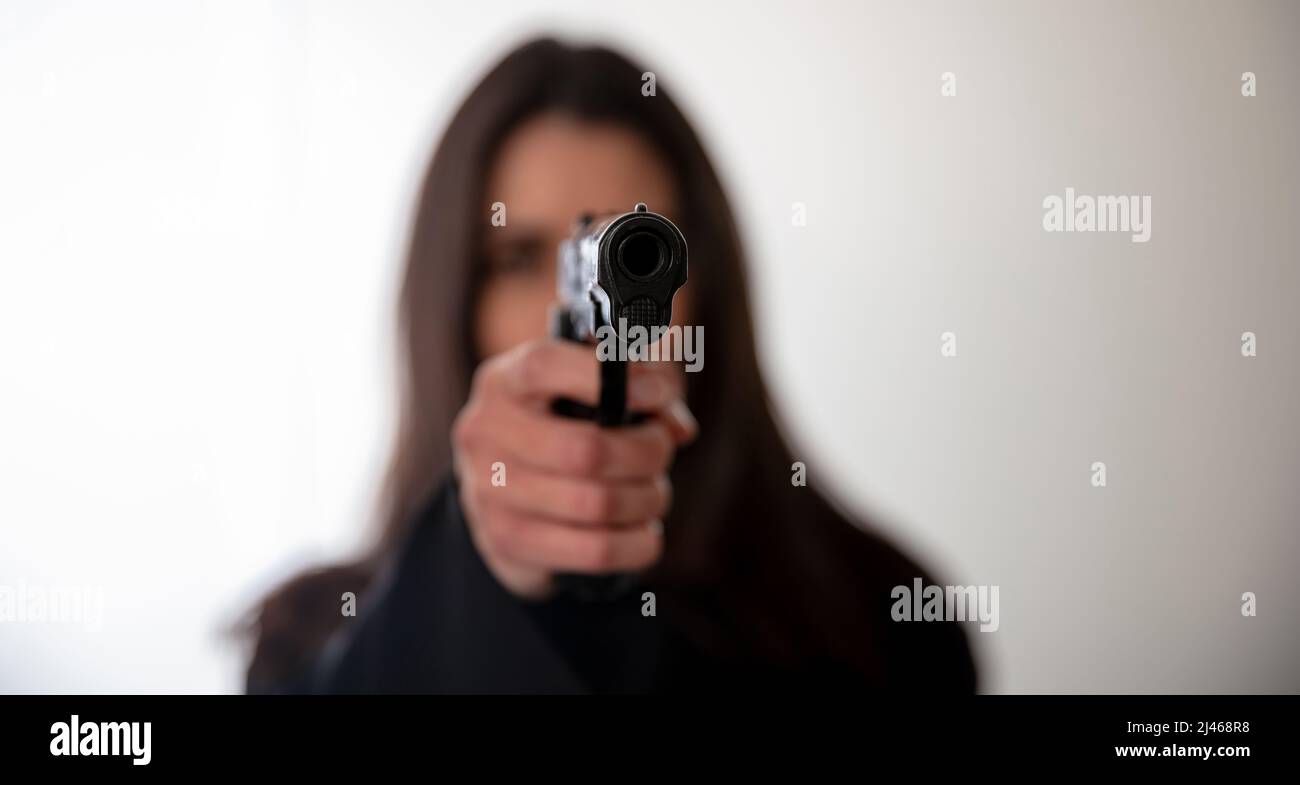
x,y
505,261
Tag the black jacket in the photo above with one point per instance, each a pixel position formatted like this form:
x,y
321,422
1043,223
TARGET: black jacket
x,y
437,621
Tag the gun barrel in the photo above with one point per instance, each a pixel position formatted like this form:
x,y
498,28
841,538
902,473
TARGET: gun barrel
x,y
620,272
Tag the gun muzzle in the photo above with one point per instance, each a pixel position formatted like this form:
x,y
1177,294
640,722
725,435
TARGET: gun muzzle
x,y
620,273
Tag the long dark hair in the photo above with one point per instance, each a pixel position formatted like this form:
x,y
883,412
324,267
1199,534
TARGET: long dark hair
x,y
739,526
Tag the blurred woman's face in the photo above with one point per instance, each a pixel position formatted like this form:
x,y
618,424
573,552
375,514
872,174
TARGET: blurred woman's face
x,y
550,170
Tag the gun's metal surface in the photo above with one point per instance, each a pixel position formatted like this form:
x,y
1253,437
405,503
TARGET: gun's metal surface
x,y
618,272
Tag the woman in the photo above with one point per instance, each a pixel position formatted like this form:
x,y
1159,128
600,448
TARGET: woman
x,y
744,578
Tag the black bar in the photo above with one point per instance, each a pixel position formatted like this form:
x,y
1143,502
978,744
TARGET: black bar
x,y
874,733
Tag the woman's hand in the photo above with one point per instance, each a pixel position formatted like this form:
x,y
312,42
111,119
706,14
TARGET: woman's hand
x,y
568,495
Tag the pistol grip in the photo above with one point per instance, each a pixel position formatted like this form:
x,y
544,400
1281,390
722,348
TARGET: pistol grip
x,y
611,412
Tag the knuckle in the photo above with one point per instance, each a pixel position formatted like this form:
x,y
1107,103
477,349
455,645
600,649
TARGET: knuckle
x,y
663,496
649,554
601,553
484,375
587,452
460,428
597,503
672,379
469,490
483,493
466,429
661,448
533,366
499,533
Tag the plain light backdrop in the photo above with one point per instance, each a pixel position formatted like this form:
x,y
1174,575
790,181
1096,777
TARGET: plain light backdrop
x,y
203,209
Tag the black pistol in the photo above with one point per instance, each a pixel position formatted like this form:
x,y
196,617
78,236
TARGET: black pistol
x,y
615,273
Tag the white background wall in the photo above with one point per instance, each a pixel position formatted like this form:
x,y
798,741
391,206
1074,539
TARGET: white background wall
x,y
203,208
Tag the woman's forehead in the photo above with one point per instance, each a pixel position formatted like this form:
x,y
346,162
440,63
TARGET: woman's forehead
x,y
552,168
